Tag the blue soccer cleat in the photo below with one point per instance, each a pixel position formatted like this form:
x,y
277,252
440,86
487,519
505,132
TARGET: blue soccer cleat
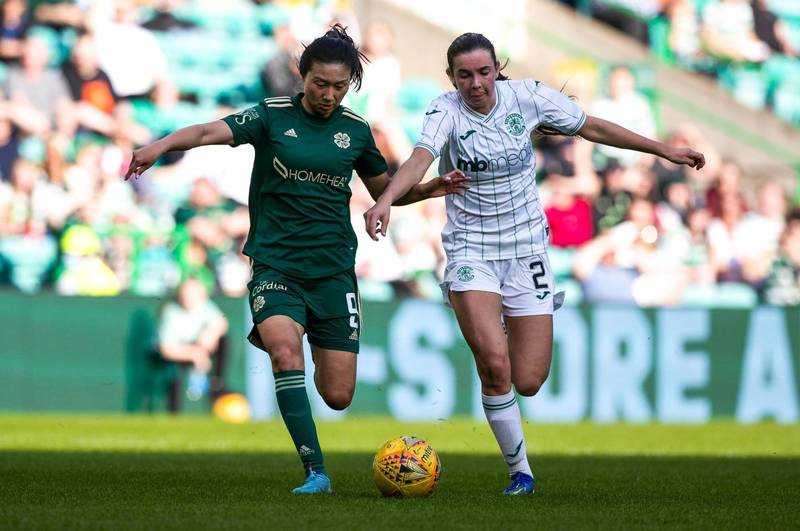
x,y
521,483
315,483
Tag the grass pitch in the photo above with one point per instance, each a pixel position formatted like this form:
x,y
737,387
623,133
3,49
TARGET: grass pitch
x,y
114,472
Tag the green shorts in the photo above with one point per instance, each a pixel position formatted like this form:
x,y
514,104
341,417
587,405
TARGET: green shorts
x,y
329,309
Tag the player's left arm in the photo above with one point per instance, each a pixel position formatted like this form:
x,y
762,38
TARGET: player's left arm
x,y
454,182
608,133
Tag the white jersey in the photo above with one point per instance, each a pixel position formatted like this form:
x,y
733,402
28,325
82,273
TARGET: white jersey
x,y
500,216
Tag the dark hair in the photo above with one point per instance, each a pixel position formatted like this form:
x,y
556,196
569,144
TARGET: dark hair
x,y
469,42
336,46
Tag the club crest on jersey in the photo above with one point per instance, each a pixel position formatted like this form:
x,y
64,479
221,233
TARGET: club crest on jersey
x,y
515,124
465,274
258,303
342,140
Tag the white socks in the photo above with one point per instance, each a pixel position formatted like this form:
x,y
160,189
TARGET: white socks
x,y
503,415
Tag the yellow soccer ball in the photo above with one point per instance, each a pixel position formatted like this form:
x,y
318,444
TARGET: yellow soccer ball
x,y
407,467
232,407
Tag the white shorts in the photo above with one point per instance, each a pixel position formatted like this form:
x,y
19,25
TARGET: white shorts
x,y
525,285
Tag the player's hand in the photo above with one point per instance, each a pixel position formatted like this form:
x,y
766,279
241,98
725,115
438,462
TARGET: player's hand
x,y
686,156
376,219
142,159
454,182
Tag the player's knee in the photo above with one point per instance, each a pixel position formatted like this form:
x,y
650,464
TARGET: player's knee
x,y
285,357
495,372
338,399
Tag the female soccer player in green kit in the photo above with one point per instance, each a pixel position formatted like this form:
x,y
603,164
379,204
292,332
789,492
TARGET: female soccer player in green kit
x,y
496,234
301,241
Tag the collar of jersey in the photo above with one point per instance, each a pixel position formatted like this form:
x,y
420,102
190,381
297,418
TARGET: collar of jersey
x,y
475,114
310,117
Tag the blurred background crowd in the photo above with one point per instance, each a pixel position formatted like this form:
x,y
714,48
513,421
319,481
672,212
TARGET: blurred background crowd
x,y
87,82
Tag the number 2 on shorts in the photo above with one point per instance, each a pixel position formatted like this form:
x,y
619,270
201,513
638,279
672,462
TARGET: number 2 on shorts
x,y
538,272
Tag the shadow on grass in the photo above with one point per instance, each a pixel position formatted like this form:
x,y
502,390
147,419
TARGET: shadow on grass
x,y
224,490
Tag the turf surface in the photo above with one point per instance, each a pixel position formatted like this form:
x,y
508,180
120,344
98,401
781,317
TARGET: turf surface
x,y
106,472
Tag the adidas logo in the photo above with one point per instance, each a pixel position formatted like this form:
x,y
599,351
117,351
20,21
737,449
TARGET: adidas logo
x,y
304,450
291,133
354,336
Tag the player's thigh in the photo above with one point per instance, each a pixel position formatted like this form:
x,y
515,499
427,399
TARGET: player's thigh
x,y
530,345
279,318
478,315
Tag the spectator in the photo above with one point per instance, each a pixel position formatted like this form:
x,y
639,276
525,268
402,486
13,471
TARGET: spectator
x,y
782,285
97,105
727,183
684,32
25,244
729,32
771,30
628,108
15,21
698,252
281,76
763,228
191,332
728,242
138,71
630,263
569,216
39,92
211,220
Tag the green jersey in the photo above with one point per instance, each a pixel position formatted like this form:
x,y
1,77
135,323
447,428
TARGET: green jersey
x,y
300,185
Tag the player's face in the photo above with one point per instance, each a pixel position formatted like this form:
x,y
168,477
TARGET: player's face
x,y
325,85
474,74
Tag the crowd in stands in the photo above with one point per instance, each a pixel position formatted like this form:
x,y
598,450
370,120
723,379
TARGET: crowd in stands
x,y
751,46
83,87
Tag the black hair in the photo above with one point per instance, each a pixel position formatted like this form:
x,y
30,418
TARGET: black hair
x,y
468,42
336,46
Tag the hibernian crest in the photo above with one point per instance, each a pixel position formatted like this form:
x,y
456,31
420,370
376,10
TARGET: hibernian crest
x,y
515,124
342,140
465,274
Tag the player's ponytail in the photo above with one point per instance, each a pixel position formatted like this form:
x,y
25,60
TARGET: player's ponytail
x,y
469,42
336,46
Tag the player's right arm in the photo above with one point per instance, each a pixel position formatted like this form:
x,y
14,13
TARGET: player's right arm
x,y
216,132
435,133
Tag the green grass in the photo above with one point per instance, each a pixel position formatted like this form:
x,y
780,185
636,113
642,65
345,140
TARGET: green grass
x,y
113,472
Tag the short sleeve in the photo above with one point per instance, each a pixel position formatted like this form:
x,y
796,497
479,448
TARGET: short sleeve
x,y
436,127
212,313
370,163
555,109
169,324
249,126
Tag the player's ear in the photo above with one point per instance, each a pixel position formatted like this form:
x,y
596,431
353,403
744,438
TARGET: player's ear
x,y
449,73
497,68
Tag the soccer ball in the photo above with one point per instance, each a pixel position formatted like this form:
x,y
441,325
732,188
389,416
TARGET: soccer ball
x,y
232,407
407,467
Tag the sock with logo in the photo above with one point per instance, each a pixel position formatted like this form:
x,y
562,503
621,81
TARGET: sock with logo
x,y
502,412
290,388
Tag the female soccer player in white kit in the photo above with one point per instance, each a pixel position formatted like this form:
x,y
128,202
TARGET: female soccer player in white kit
x,y
496,234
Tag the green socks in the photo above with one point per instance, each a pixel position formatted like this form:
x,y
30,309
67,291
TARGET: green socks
x,y
290,388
